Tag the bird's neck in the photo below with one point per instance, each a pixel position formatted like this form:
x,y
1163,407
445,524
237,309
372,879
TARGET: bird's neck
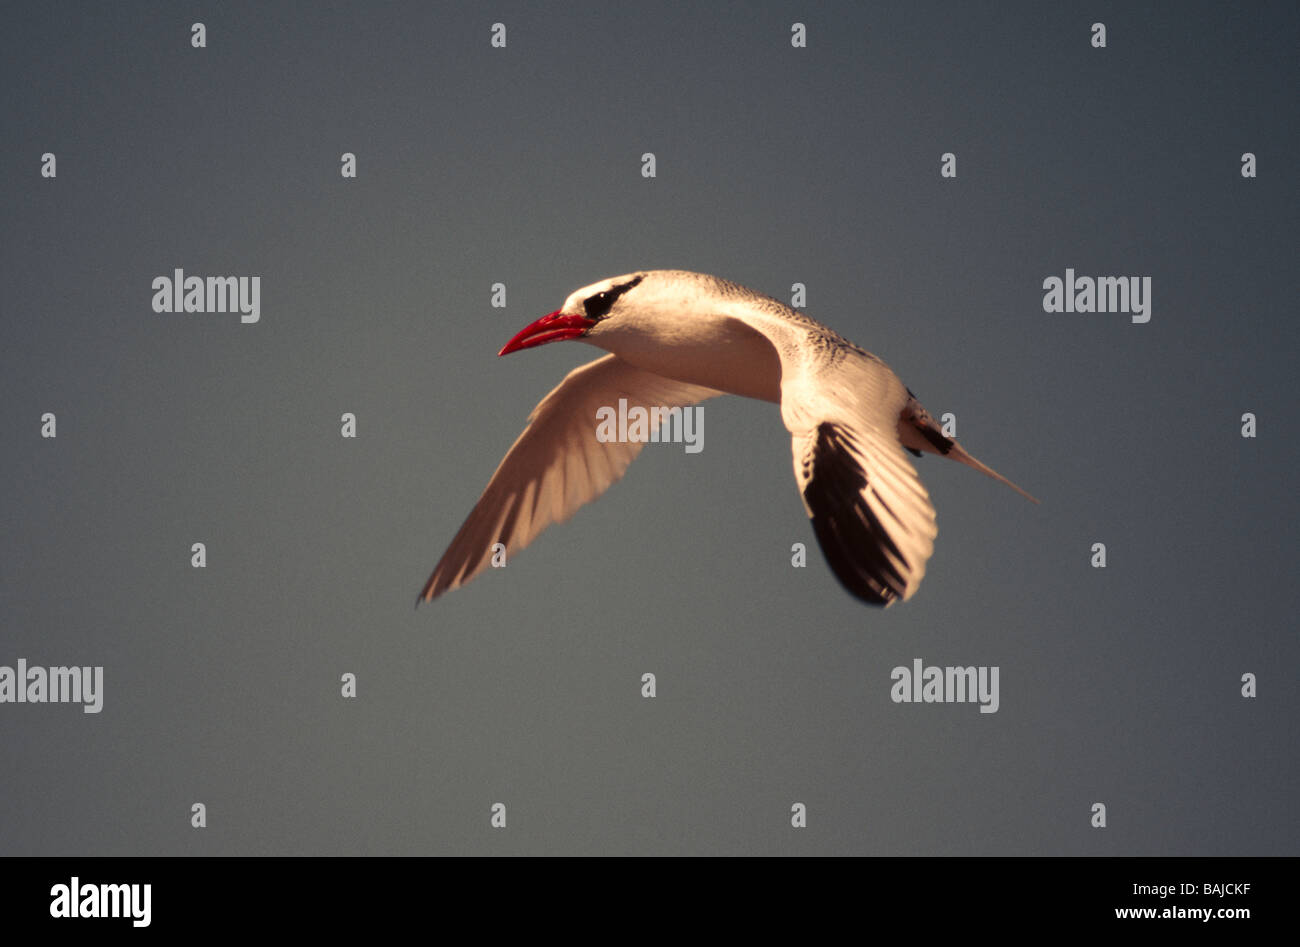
x,y
720,352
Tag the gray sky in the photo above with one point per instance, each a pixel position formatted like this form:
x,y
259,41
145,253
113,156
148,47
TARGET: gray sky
x,y
522,165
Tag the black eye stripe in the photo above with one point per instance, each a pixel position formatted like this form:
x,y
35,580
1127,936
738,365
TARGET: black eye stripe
x,y
598,306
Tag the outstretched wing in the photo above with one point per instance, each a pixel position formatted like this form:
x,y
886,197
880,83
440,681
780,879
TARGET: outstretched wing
x,y
556,465
869,509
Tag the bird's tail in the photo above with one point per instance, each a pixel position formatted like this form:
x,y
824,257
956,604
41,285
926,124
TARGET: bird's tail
x,y
918,431
958,453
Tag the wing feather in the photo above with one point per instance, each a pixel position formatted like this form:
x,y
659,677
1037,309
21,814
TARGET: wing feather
x,y
870,512
556,465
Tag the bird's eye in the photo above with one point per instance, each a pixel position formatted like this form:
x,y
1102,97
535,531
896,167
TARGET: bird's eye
x,y
598,306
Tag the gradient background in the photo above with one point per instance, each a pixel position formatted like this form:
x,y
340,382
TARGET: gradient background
x,y
522,165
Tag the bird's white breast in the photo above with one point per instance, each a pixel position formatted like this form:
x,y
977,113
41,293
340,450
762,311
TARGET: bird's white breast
x,y
719,352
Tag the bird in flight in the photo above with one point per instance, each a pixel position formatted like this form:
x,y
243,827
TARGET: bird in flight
x,y
677,338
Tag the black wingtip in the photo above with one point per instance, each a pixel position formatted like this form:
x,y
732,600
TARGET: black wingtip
x,y
855,543
869,577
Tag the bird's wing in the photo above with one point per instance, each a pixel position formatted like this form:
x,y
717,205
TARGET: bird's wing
x,y
872,516
556,465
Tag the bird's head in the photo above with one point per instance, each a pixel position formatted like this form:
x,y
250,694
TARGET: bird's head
x,y
599,309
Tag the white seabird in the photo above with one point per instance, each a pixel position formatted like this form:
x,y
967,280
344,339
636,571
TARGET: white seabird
x,y
676,338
